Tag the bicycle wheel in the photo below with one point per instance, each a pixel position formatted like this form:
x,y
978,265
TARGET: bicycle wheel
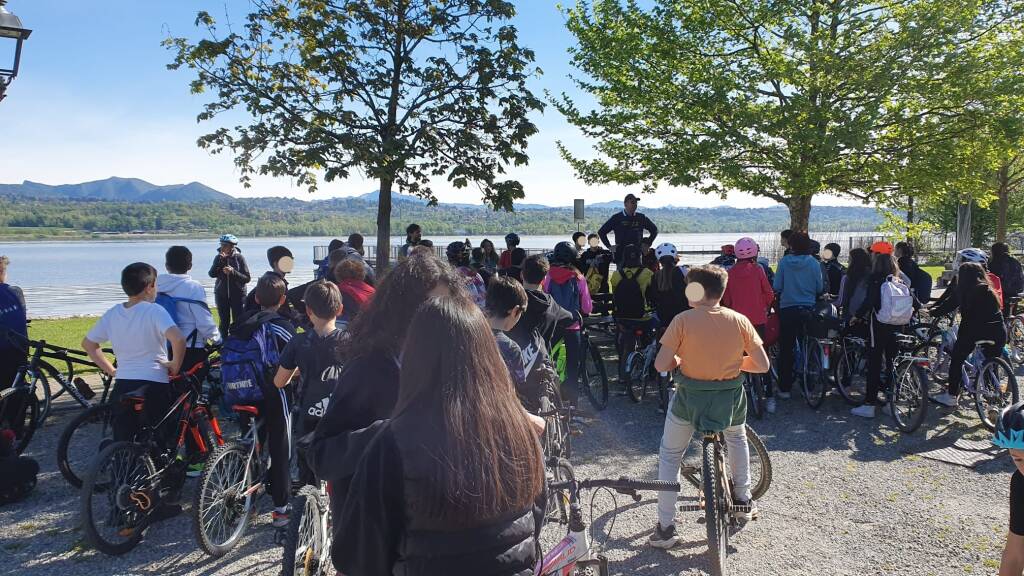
x,y
995,388
88,433
557,513
1015,340
595,377
754,388
814,380
225,501
307,538
760,465
20,413
715,512
636,384
909,397
850,378
117,498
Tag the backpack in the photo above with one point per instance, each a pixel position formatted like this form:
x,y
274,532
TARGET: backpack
x,y
170,303
921,282
1013,277
567,295
246,365
897,303
628,298
595,280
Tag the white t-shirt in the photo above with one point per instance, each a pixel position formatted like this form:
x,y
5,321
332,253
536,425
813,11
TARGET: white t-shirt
x,y
137,335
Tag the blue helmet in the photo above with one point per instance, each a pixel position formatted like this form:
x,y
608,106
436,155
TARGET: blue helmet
x,y
1010,428
229,239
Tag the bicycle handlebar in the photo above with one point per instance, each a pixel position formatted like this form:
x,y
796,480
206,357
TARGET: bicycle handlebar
x,y
623,485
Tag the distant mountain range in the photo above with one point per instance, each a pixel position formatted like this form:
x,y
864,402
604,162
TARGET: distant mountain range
x,y
122,205
118,190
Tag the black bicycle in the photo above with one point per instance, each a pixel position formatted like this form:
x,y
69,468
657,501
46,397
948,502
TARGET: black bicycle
x,y
25,405
593,377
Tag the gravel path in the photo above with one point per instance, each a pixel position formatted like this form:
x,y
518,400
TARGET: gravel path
x,y
846,499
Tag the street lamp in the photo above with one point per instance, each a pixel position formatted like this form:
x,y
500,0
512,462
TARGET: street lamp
x,y
10,29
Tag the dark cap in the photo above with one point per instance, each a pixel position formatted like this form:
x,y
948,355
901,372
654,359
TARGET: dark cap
x,y
631,197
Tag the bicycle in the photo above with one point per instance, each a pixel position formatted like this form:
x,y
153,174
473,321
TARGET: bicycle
x,y
639,367
990,381
908,383
93,429
593,376
124,485
26,404
817,345
576,553
307,539
753,387
851,368
234,477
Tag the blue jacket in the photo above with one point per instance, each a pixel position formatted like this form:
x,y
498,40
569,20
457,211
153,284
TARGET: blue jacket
x,y
798,281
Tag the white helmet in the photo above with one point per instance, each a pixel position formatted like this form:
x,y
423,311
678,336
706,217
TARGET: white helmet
x,y
975,255
666,249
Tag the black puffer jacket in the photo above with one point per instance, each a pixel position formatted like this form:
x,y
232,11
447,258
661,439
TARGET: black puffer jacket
x,y
379,531
235,282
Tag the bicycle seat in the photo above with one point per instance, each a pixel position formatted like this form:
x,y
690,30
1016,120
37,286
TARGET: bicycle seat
x,y
135,399
247,409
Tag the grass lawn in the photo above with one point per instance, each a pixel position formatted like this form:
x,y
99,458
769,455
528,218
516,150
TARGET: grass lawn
x,y
934,271
67,332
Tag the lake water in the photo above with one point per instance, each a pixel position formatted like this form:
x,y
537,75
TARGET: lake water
x,y
82,278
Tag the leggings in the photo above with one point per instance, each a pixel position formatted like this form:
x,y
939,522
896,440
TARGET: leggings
x,y
962,350
792,324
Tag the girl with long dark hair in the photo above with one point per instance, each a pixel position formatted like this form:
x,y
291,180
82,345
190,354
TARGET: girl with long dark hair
x,y
882,335
853,287
981,318
667,293
454,482
367,389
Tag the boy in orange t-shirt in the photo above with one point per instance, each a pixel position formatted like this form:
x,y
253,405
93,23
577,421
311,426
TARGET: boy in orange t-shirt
x,y
712,346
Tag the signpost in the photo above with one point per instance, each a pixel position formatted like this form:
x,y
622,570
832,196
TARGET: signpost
x,y
578,213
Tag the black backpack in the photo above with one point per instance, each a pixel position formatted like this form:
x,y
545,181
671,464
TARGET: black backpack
x,y
1013,277
628,297
921,284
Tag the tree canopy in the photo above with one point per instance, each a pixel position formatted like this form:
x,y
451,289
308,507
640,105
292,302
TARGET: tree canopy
x,y
784,99
404,91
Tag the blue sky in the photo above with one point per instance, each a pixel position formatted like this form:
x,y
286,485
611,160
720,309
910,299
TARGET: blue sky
x,y
94,99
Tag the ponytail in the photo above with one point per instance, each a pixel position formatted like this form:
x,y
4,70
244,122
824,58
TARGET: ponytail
x,y
664,276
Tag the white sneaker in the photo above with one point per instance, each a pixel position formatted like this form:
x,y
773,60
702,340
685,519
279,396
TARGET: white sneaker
x,y
769,405
865,411
946,399
783,395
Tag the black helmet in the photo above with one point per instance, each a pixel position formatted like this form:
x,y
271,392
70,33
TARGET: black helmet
x,y
456,251
564,253
512,239
1010,428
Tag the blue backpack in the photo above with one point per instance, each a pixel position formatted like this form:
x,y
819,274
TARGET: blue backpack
x,y
246,365
170,303
567,296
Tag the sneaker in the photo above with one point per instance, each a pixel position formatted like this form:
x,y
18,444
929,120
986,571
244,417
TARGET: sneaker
x,y
769,405
664,538
865,411
946,399
783,395
746,516
195,470
279,519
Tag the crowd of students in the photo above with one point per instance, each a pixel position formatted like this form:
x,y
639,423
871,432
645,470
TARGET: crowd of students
x,y
413,396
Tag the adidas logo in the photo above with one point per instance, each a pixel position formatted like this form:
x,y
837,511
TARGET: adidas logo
x,y
320,408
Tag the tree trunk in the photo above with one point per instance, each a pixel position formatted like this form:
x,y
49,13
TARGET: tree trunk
x,y
1004,202
799,213
384,225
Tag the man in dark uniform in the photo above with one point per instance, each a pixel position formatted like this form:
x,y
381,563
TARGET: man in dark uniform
x,y
628,227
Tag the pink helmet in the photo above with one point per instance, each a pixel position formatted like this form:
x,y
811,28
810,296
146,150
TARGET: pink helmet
x,y
746,248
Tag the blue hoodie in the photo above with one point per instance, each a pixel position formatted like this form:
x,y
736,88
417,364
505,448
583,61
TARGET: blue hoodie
x,y
798,281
